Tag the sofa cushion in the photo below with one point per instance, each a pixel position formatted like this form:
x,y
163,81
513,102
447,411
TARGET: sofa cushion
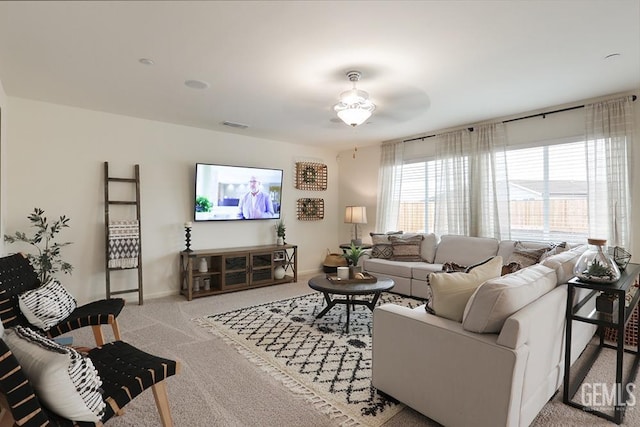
x,y
465,250
563,263
381,245
452,290
64,380
497,299
526,256
421,270
555,248
506,247
406,247
388,267
428,247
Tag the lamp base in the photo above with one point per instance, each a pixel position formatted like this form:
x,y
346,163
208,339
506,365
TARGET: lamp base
x,y
356,242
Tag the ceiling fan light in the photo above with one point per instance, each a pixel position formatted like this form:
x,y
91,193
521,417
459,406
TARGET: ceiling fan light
x,y
353,96
354,107
354,116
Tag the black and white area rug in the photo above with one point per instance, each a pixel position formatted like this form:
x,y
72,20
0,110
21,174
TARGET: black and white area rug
x,y
313,357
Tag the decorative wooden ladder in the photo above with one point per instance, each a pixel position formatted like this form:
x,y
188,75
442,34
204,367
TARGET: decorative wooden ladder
x,y
108,202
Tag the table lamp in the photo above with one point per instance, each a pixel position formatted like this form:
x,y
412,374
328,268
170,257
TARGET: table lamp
x,y
356,215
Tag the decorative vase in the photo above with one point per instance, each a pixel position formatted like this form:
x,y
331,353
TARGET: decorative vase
x,y
202,267
280,241
196,285
595,265
279,272
353,269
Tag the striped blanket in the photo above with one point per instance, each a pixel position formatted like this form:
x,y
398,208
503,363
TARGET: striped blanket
x,y
124,244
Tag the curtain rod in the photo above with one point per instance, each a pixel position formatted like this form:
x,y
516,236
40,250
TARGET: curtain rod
x,y
470,129
543,115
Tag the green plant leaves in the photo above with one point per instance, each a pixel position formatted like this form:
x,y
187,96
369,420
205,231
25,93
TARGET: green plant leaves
x,y
47,261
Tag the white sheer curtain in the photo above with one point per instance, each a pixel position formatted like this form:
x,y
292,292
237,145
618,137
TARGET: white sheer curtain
x,y
390,184
452,206
472,190
489,186
609,134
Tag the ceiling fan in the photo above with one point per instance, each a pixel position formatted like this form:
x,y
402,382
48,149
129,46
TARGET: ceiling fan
x,y
389,103
354,107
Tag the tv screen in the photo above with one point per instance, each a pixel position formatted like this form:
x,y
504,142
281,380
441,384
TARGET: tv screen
x,y
236,193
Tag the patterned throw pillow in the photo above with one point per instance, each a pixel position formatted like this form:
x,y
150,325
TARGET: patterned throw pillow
x,y
406,247
382,245
525,256
66,381
555,248
47,305
512,267
452,267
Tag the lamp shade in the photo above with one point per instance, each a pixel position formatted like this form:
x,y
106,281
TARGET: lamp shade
x,y
355,215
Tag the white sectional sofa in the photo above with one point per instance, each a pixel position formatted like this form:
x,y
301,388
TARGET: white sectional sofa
x,y
501,364
411,277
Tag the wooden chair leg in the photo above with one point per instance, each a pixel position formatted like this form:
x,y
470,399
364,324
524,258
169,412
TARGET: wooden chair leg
x,y
116,329
6,419
162,402
97,333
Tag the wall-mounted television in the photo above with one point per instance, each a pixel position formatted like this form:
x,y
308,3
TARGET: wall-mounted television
x,y
226,193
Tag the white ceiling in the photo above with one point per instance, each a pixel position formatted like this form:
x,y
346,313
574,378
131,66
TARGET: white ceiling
x,y
279,66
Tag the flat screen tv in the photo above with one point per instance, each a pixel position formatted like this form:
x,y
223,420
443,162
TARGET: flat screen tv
x,y
226,193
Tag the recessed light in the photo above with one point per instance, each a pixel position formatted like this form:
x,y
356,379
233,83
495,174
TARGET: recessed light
x,y
196,84
612,56
146,61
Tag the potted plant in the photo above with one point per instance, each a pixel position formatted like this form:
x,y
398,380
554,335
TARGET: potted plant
x,y
47,261
352,255
280,230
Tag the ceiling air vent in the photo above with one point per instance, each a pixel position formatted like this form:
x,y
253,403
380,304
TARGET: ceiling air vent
x,y
235,125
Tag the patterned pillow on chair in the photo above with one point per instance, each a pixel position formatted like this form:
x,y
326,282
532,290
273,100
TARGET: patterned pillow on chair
x,y
64,380
48,305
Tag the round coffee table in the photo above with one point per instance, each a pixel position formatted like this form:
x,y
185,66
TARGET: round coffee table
x,y
350,290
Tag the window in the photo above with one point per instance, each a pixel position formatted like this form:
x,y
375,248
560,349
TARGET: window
x,y
417,195
548,192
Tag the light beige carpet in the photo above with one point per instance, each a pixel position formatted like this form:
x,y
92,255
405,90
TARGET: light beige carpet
x,y
313,357
220,387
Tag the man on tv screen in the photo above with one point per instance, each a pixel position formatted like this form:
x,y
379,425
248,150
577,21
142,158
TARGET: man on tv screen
x,y
255,204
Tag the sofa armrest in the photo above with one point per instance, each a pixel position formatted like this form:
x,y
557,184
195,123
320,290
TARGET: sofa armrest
x,y
443,371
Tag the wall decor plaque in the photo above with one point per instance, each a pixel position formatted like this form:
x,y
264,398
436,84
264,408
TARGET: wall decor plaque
x,y
311,176
310,209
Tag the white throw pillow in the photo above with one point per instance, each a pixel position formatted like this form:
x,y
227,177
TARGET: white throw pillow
x,y
63,379
497,299
451,291
47,305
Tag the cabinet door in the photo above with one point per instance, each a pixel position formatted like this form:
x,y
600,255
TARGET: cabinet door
x,y
236,270
261,267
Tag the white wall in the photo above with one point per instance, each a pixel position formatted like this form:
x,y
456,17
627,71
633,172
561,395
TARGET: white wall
x,y
358,183
3,137
55,157
359,177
